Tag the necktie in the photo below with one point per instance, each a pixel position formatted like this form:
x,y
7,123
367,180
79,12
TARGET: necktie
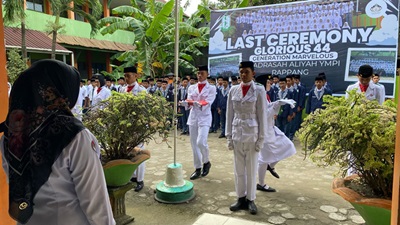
x,y
129,89
245,89
201,86
363,88
183,94
98,90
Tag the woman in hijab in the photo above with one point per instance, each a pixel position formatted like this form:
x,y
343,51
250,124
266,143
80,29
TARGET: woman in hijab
x,y
52,161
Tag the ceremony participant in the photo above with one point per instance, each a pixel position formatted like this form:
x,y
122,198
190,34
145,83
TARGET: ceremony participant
x,y
285,114
77,110
245,132
51,160
222,98
102,93
121,84
376,78
200,97
300,103
131,75
315,96
182,95
234,80
364,85
276,145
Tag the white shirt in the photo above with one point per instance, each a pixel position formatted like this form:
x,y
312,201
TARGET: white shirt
x,y
373,91
76,192
102,95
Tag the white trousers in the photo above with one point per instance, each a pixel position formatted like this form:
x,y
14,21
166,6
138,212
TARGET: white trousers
x,y
198,140
245,167
139,172
262,169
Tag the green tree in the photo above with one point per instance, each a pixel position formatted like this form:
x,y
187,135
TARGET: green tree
x,y
153,26
15,65
14,11
58,7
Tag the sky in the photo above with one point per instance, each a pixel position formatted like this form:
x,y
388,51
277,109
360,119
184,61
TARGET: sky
x,y
192,7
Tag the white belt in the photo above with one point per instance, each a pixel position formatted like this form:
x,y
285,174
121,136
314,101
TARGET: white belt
x,y
245,116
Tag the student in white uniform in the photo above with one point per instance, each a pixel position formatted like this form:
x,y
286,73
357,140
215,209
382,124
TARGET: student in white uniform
x,y
131,75
102,93
245,132
52,162
200,97
366,86
276,145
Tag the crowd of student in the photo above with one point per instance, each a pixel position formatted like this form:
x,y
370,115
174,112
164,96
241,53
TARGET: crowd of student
x,y
305,17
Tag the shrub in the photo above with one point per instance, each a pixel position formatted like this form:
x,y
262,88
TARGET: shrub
x,y
126,121
354,133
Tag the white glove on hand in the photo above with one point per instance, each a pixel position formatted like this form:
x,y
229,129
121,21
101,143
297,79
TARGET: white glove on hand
x,y
230,145
259,145
291,102
184,103
197,104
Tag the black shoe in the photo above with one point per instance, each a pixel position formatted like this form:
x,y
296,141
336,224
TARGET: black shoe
x,y
252,207
262,188
139,186
240,204
196,174
221,136
184,133
211,131
272,171
133,179
206,169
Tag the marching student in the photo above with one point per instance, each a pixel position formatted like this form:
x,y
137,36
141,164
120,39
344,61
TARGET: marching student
x,y
276,145
245,132
200,97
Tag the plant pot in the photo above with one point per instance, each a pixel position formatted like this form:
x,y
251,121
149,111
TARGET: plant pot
x,y
375,211
119,172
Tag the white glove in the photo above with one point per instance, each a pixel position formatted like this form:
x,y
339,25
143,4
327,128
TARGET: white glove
x,y
291,102
259,145
197,104
184,103
230,145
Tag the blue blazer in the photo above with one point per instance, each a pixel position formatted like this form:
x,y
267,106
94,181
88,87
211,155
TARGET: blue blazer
x,y
285,110
313,103
221,100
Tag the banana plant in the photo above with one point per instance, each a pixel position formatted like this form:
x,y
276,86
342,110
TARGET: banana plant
x,y
153,27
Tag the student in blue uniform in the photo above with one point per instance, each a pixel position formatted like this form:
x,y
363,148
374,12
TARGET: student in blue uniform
x,y
315,97
284,116
222,98
301,102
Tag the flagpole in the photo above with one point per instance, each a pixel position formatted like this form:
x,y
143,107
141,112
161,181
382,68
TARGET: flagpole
x,y
176,71
175,189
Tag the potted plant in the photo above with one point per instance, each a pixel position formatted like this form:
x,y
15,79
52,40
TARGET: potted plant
x,y
124,122
356,134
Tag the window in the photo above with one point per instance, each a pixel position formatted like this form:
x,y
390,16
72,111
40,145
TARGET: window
x,y
36,5
79,17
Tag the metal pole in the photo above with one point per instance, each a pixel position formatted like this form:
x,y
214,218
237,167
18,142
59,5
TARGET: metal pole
x,y
176,75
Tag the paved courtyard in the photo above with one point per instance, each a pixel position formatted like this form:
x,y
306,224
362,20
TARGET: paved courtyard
x,y
303,194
